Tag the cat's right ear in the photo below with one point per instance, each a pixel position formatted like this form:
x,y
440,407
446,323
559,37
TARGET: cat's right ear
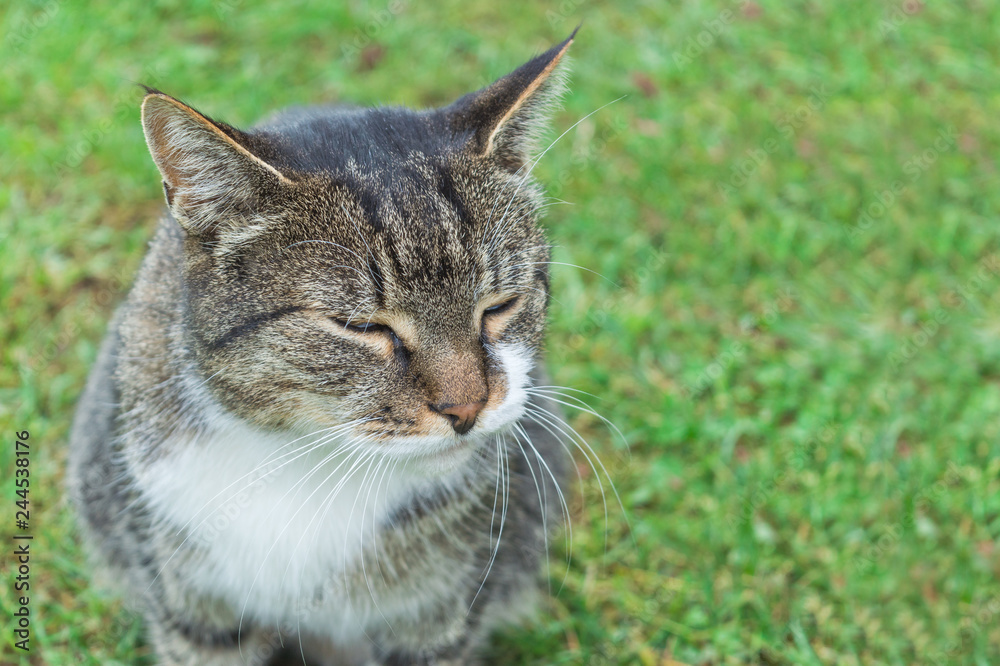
x,y
211,178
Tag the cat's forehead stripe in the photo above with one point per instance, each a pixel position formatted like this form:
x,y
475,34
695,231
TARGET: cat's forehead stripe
x,y
368,202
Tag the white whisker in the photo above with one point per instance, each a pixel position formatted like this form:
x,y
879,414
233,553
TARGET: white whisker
x,y
326,242
541,413
503,479
549,391
534,162
563,504
305,449
542,503
288,523
563,263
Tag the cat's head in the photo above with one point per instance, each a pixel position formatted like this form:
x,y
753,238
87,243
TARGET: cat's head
x,y
382,265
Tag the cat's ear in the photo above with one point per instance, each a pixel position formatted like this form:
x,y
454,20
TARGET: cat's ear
x,y
211,177
507,118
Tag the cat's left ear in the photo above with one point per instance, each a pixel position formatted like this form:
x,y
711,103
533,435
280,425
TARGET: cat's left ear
x,y
507,117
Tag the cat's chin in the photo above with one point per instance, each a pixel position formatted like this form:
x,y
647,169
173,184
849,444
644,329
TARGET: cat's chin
x,y
446,460
437,457
443,455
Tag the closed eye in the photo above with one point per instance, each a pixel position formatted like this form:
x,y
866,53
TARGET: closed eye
x,y
501,307
370,327
367,327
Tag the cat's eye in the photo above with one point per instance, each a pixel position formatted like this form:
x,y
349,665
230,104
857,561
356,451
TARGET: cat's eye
x,y
500,307
370,327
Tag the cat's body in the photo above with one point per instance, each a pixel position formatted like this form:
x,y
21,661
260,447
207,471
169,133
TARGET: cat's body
x,y
310,430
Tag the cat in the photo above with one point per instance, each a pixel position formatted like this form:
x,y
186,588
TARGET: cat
x,y
318,430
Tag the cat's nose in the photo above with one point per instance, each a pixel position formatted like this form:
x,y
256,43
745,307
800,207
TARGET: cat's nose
x,y
462,417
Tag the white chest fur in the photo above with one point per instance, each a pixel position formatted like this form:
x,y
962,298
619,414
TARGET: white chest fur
x,y
281,522
278,520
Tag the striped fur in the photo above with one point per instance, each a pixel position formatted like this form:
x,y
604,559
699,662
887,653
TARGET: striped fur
x,y
260,455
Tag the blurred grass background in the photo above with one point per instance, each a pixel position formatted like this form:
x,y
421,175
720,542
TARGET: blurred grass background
x,y
794,209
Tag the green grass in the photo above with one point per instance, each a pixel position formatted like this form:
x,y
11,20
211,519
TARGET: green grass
x,y
810,396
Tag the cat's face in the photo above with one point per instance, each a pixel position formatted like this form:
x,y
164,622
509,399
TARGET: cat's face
x,y
381,267
399,314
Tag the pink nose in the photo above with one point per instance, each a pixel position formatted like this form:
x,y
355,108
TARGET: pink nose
x,y
462,417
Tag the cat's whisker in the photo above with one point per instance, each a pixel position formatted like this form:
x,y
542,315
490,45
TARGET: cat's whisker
x,y
530,248
366,464
350,317
367,263
525,214
563,504
534,162
518,214
557,423
289,520
330,434
584,447
561,436
503,464
326,242
211,377
375,531
327,503
563,263
510,219
567,392
543,293
496,500
357,442
496,203
511,256
542,503
322,462
549,420
364,509
519,428
303,450
549,391
496,491
322,512
300,607
327,432
555,388
549,204
301,483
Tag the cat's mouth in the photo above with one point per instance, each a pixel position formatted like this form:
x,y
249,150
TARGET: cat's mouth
x,y
431,435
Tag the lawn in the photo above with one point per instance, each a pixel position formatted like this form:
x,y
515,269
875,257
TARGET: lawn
x,y
788,301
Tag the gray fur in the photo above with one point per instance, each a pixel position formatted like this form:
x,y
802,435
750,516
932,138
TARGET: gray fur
x,y
411,220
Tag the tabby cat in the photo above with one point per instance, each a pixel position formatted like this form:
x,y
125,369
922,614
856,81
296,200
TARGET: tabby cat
x,y
318,429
